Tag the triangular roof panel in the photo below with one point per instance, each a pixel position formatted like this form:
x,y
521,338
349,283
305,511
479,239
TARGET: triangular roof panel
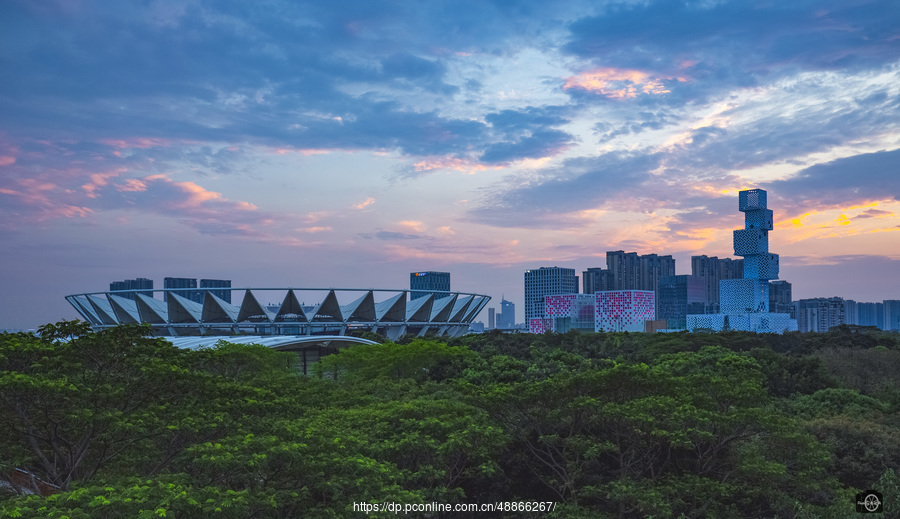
x,y
217,310
475,308
290,310
391,310
151,310
363,309
252,311
182,309
418,310
103,310
125,309
85,309
442,307
459,309
328,310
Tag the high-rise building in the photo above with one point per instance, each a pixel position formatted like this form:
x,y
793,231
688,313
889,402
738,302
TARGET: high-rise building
x,y
506,319
679,296
713,270
491,318
224,295
891,314
186,283
595,280
780,297
744,303
879,315
546,281
422,284
851,311
133,284
819,314
653,267
624,269
869,314
629,271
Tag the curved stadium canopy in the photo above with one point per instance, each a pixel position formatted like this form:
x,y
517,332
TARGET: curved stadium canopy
x,y
336,311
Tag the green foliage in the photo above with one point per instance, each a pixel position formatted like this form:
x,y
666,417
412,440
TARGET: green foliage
x,y
831,402
869,371
624,425
241,362
137,498
419,359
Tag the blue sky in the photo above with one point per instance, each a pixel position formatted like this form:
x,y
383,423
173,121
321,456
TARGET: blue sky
x,y
349,143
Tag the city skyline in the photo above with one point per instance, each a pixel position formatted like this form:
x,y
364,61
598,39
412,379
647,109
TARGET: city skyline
x,y
349,144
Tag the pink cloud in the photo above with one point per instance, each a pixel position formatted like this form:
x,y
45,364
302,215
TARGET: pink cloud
x,y
35,200
466,166
306,152
413,225
619,83
132,184
70,186
314,229
196,194
8,152
314,217
98,181
136,142
365,203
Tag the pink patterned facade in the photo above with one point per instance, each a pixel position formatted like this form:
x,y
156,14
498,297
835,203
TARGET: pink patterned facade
x,y
554,306
559,306
624,310
540,325
614,310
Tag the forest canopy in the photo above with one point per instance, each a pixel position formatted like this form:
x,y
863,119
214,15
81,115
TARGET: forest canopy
x,y
116,423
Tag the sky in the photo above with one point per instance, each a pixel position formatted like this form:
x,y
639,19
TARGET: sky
x,y
349,143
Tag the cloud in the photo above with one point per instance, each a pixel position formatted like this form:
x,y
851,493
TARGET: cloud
x,y
638,123
418,71
389,236
538,144
206,211
33,201
841,182
874,213
452,163
365,203
69,196
793,120
620,83
527,119
579,184
314,229
722,45
413,225
292,76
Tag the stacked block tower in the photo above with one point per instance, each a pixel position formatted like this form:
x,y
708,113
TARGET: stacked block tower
x,y
744,303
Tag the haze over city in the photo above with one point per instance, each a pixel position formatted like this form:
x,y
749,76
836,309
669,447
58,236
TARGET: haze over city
x,y
348,144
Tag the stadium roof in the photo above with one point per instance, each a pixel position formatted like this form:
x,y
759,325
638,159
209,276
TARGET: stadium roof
x,y
336,311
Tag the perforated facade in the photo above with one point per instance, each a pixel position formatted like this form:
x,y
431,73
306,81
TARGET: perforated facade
x,y
625,310
612,310
744,303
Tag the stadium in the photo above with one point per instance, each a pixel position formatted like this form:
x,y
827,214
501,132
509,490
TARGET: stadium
x,y
310,321
331,311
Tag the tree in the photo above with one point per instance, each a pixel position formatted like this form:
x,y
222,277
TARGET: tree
x,y
73,401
